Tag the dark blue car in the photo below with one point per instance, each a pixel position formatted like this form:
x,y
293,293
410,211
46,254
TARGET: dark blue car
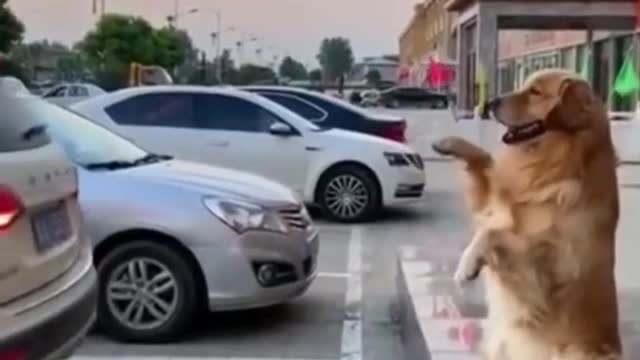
x,y
330,112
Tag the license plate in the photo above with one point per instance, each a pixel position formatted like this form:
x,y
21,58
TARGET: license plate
x,y
51,227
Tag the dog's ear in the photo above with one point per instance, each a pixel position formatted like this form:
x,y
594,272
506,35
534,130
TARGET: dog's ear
x,y
576,106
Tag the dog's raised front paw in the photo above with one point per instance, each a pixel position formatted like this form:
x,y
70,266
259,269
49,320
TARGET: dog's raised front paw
x,y
451,145
468,270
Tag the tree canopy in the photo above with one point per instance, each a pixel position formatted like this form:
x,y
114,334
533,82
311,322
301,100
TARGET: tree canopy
x,y
335,57
11,28
292,69
119,40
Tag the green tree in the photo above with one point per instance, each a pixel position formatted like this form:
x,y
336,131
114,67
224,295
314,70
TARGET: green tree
x,y
229,72
11,28
315,75
292,69
373,77
119,40
335,57
251,73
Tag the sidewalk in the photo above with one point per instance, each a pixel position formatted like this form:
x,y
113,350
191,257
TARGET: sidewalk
x,y
425,128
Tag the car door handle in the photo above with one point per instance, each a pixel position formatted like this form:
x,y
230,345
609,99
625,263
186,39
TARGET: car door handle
x,y
220,143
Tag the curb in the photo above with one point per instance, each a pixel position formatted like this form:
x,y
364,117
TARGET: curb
x,y
414,342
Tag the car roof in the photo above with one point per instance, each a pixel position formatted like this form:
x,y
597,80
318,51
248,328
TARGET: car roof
x,y
118,95
275,88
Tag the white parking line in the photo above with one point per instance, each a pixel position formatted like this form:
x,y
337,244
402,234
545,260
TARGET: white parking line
x,y
351,348
338,275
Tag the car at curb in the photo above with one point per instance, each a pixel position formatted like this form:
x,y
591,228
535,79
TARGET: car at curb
x,y
173,238
328,112
349,175
47,280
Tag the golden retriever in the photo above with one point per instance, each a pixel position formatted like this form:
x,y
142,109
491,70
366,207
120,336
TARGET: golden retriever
x,y
545,211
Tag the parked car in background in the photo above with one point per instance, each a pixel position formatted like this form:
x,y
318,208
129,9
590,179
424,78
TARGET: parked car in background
x,y
329,112
349,175
173,238
67,94
414,97
47,279
370,98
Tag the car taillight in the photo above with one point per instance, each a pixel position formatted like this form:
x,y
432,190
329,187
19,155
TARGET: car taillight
x,y
16,354
10,208
395,132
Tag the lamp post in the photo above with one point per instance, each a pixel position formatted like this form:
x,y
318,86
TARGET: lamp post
x,y
216,36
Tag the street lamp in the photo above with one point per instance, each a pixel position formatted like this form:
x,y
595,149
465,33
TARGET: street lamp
x,y
173,19
216,36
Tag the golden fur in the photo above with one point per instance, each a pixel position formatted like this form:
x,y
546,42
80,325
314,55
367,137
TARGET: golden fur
x,y
546,211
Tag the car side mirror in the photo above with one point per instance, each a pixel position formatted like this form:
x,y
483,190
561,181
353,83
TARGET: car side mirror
x,y
280,129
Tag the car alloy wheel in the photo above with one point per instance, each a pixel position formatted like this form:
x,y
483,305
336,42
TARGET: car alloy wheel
x,y
149,292
349,194
142,293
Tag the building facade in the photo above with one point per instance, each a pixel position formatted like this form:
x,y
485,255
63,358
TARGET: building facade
x,y
386,66
426,38
523,52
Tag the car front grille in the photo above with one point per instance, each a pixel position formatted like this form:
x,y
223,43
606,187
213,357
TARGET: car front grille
x,y
296,218
416,160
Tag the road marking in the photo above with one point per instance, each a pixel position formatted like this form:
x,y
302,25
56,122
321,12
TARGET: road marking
x,y
339,275
351,348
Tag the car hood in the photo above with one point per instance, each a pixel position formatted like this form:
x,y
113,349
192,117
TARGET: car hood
x,y
211,180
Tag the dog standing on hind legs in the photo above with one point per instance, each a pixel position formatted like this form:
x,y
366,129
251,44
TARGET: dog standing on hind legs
x,y
545,211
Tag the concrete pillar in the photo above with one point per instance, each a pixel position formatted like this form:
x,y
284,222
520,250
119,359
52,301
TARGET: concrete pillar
x,y
488,48
460,73
588,51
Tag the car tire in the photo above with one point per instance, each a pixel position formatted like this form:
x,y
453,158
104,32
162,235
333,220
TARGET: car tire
x,y
183,305
364,187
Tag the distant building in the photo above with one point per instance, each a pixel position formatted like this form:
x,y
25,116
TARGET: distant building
x,y
426,39
522,52
386,65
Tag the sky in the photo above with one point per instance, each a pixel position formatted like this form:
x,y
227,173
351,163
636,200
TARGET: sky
x,y
283,27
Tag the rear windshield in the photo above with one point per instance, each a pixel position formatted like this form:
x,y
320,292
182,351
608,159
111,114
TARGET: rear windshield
x,y
19,127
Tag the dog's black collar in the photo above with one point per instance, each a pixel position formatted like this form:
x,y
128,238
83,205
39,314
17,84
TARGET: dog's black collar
x,y
525,132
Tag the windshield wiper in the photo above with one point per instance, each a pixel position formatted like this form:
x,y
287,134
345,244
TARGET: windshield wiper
x,y
122,164
152,158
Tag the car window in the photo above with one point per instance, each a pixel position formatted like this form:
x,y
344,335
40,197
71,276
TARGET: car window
x,y
221,112
17,119
57,92
297,105
164,110
78,91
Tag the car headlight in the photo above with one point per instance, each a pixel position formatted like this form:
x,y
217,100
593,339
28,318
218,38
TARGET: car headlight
x,y
396,159
243,216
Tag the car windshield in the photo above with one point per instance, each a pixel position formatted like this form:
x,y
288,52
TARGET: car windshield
x,y
85,142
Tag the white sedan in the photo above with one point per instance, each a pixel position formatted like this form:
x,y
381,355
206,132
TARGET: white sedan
x,y
67,94
351,176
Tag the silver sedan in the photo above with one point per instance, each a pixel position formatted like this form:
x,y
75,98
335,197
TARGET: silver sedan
x,y
173,237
